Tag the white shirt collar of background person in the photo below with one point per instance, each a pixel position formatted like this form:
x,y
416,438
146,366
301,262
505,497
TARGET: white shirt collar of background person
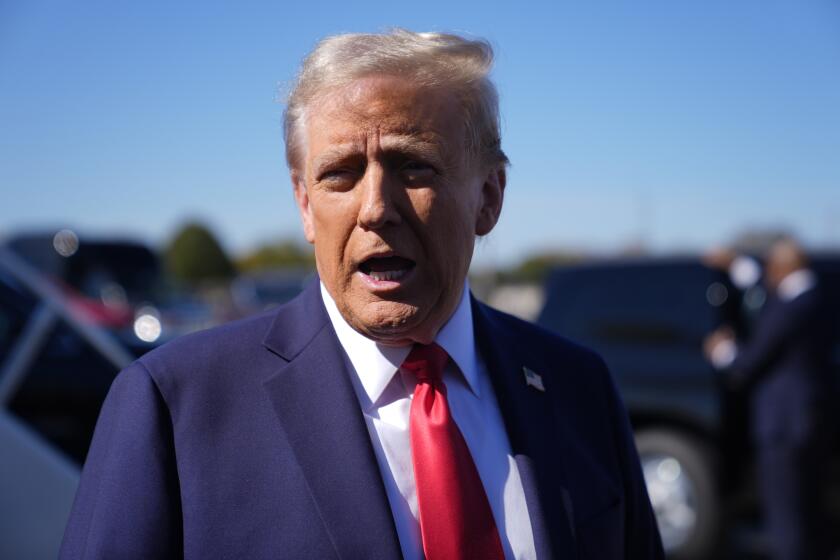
x,y
745,272
376,363
795,284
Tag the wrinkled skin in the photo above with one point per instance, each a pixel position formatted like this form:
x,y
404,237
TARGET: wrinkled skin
x,y
384,173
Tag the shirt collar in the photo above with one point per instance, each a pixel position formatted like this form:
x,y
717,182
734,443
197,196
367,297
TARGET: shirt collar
x,y
456,337
376,364
795,284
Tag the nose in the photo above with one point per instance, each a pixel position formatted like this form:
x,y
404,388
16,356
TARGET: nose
x,y
378,207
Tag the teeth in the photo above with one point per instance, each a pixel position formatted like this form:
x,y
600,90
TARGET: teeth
x,y
387,274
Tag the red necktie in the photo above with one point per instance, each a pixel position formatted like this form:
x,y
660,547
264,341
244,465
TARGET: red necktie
x,y
455,517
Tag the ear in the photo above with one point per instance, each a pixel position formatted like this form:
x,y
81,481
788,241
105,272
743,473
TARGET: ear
x,y
302,200
490,203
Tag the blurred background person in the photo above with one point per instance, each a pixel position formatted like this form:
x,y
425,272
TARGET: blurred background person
x,y
784,365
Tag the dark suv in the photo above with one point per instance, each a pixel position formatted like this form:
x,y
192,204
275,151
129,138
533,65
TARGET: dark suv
x,y
648,319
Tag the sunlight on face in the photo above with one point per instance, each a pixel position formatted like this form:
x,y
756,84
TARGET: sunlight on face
x,y
392,205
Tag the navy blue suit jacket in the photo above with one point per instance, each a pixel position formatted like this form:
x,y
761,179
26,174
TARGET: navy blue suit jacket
x,y
248,441
786,366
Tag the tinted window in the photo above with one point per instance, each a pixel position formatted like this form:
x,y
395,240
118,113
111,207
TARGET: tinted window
x,y
97,267
15,307
635,305
64,390
98,270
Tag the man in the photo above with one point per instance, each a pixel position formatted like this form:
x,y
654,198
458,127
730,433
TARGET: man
x,y
785,366
384,413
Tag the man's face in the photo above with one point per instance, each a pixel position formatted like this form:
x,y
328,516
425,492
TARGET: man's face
x,y
392,204
782,260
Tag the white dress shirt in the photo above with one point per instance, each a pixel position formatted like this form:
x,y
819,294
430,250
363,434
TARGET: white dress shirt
x,y
795,284
385,394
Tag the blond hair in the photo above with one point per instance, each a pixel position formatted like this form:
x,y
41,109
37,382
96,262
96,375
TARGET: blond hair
x,y
433,60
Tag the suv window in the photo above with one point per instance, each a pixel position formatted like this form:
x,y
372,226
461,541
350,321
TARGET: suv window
x,y
63,390
636,305
15,308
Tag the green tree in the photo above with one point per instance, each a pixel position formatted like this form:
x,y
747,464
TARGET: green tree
x,y
285,254
194,256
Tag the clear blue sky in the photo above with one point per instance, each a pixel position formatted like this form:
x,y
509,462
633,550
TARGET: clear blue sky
x,y
675,123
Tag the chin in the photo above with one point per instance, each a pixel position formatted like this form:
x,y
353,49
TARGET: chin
x,y
392,323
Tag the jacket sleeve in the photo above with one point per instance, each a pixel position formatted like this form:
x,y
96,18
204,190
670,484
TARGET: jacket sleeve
x,y
769,339
128,502
641,533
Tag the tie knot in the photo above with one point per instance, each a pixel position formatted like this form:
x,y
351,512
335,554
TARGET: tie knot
x,y
426,362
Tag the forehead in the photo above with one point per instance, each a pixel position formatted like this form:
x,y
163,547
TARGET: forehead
x,y
384,106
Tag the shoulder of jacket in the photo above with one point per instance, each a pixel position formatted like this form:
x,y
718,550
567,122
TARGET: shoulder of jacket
x,y
233,342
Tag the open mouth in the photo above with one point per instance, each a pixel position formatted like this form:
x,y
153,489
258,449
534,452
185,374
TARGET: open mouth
x,y
387,269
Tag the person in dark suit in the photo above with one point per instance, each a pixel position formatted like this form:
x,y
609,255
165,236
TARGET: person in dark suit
x,y
384,413
785,367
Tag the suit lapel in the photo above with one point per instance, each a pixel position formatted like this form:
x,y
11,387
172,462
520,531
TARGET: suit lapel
x,y
532,429
320,414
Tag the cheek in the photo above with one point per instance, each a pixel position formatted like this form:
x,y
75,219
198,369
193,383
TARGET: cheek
x,y
334,212
450,225
460,213
334,220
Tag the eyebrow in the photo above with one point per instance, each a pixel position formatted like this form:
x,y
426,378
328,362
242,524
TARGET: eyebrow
x,y
336,153
416,144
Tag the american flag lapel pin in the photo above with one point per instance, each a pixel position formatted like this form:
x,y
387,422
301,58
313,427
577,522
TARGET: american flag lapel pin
x,y
533,379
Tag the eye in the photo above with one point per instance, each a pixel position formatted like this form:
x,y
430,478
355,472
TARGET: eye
x,y
416,170
339,178
416,165
334,174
